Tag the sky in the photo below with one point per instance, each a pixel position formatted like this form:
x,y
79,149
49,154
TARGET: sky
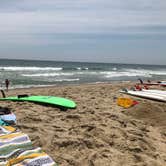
x,y
121,31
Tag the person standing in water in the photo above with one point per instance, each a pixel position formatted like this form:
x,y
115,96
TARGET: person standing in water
x,y
7,82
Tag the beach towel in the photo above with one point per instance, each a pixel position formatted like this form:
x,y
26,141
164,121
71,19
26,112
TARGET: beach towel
x,y
31,157
9,118
7,130
16,148
10,143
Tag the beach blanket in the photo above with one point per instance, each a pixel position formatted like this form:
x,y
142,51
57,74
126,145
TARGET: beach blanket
x,y
12,142
16,148
7,130
31,157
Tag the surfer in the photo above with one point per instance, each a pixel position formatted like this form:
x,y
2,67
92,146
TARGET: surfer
x,y
7,82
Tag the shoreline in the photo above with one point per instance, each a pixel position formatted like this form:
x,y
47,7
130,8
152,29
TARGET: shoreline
x,y
97,132
72,84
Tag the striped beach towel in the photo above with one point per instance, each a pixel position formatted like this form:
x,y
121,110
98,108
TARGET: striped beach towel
x,y
12,142
7,130
31,157
16,150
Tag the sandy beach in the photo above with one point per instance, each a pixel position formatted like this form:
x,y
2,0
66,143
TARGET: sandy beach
x,y
97,132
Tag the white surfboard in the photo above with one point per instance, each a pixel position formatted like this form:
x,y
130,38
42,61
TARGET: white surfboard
x,y
147,95
155,91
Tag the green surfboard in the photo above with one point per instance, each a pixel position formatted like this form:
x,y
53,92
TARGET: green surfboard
x,y
57,101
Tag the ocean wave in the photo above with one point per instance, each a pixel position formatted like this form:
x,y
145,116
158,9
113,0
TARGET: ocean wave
x,y
85,68
47,74
75,68
114,68
146,72
67,80
111,74
29,86
15,68
133,73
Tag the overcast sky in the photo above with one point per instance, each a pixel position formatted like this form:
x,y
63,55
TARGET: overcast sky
x,y
122,31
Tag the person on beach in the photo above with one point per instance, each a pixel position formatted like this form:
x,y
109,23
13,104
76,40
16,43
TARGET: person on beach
x,y
7,82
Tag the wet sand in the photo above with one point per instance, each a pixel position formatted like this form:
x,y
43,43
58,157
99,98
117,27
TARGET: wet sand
x,y
97,132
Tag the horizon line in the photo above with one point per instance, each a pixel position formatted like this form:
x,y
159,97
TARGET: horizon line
x,y
45,60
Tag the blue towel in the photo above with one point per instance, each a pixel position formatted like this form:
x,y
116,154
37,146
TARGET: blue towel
x,y
9,118
2,123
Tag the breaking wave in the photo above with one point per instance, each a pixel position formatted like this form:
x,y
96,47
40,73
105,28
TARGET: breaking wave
x,y
47,74
54,73
15,68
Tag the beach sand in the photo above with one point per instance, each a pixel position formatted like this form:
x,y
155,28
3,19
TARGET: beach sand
x,y
97,132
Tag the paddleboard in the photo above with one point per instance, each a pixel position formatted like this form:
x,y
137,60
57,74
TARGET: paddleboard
x,y
155,91
57,101
145,94
151,84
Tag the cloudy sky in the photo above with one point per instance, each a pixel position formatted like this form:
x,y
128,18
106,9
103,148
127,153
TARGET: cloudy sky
x,y
121,31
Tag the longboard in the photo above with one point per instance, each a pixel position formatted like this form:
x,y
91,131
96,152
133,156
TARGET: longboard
x,y
145,94
155,91
163,84
57,101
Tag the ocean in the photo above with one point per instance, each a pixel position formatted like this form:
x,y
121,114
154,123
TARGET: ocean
x,y
29,73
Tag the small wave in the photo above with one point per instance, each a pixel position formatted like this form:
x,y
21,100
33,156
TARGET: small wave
x,y
82,68
29,86
110,74
75,68
146,72
15,68
114,69
133,73
68,80
47,74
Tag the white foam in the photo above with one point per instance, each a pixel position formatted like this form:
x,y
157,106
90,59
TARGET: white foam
x,y
68,80
15,68
114,68
47,74
29,86
111,74
146,72
133,73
